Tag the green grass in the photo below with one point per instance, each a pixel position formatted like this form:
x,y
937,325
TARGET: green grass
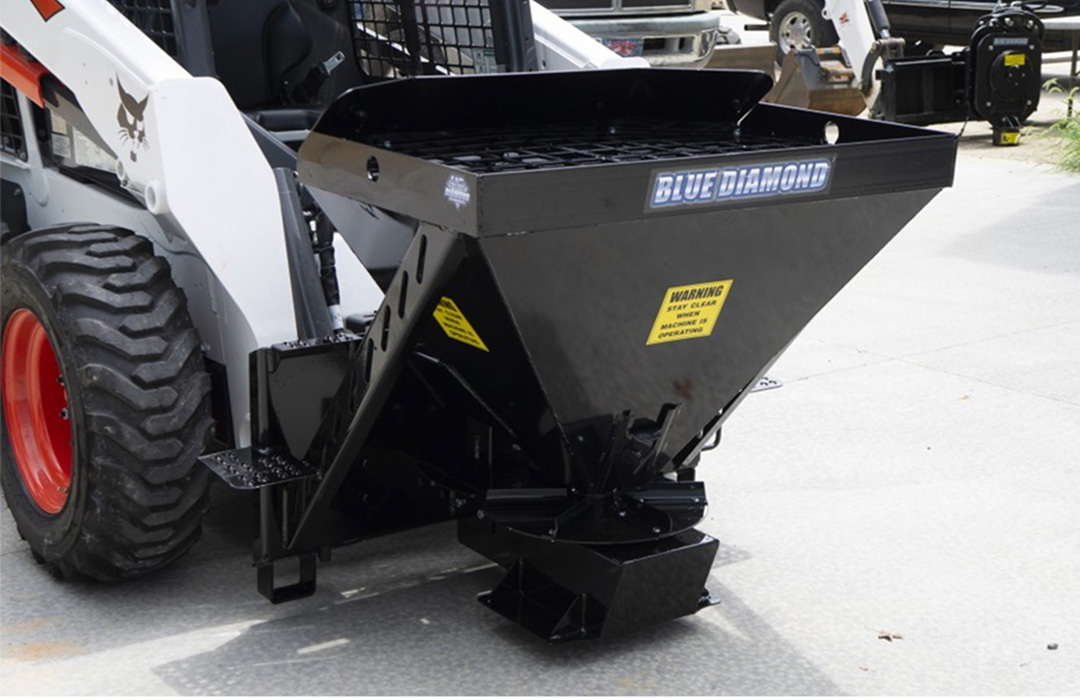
x,y
1068,128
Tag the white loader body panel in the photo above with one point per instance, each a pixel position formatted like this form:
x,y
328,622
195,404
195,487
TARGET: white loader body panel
x,y
197,169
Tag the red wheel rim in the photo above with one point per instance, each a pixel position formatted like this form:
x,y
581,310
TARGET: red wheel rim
x,y
36,411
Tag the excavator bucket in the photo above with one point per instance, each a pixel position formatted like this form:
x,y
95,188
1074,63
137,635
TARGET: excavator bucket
x,y
603,264
818,79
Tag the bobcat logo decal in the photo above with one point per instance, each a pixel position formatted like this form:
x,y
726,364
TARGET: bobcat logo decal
x,y
130,119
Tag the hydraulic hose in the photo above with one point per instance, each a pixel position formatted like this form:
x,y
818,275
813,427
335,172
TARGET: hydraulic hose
x,y
324,250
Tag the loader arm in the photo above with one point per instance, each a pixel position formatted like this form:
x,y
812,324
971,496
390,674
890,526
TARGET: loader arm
x,y
862,28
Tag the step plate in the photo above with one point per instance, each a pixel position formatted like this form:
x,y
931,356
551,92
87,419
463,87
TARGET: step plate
x,y
241,469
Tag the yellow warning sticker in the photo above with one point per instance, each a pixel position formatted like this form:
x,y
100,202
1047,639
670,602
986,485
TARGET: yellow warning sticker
x,y
1009,138
1015,59
689,312
455,325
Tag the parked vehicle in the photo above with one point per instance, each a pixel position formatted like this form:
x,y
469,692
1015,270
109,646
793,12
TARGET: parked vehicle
x,y
672,33
925,24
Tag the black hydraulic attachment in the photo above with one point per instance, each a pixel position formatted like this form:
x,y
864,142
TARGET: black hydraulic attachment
x,y
997,78
604,265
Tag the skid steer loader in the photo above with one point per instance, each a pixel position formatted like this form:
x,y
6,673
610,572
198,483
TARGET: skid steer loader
x,y
384,263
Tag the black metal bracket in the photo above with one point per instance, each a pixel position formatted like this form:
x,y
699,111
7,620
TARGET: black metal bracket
x,y
544,607
277,509
649,513
563,591
431,257
294,591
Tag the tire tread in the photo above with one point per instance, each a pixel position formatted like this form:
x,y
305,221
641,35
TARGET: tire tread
x,y
145,397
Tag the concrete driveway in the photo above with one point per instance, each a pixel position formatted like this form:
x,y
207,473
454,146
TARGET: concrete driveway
x,y
901,517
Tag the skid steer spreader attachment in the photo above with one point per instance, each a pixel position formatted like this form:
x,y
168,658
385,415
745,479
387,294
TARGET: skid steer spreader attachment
x,y
603,265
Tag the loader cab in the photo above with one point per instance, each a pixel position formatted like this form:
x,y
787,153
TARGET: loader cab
x,y
267,53
282,61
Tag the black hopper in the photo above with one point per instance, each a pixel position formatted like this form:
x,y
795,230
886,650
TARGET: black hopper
x,y
605,263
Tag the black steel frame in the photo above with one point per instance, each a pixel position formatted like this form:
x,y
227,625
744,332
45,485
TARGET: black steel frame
x,y
335,454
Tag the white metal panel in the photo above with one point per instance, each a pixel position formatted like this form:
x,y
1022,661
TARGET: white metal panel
x,y
190,158
562,46
851,20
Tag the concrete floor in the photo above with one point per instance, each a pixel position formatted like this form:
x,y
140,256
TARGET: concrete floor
x,y
901,517
918,472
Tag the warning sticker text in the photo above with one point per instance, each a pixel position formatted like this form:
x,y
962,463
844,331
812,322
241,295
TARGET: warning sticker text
x,y
454,324
689,312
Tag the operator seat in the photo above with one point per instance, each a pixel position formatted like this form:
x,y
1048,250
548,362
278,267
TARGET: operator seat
x,y
261,48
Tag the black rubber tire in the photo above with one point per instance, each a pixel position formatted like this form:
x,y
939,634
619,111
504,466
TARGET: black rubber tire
x,y
138,401
821,30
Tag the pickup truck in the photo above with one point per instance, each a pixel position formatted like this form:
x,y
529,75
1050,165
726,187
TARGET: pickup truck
x,y
930,23
672,33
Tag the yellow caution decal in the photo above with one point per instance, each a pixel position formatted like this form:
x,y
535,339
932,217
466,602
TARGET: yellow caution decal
x,y
455,325
689,312
1015,59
